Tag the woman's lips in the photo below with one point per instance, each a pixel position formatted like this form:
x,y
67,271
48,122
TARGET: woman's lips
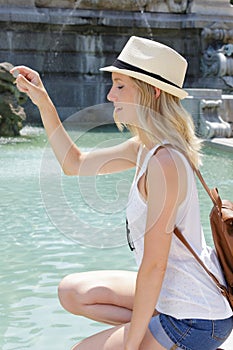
x,y
118,109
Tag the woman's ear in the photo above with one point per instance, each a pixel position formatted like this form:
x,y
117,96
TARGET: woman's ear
x,y
157,92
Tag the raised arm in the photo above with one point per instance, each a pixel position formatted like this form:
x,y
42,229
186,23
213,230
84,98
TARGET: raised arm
x,y
71,159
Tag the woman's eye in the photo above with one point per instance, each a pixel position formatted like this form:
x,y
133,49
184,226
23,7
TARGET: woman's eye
x,y
120,87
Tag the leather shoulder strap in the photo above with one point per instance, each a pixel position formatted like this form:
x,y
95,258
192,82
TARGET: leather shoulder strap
x,y
197,171
177,232
185,242
204,184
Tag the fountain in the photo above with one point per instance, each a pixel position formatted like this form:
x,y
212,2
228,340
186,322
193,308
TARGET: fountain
x,y
67,41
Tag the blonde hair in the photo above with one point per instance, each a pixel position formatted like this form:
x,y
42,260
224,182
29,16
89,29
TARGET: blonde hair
x,y
164,118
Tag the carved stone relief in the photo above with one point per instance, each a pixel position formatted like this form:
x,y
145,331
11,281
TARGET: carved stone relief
x,y
177,6
217,55
211,7
58,3
212,124
216,36
173,6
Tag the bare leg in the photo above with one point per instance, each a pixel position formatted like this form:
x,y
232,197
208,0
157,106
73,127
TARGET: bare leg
x,y
114,339
104,296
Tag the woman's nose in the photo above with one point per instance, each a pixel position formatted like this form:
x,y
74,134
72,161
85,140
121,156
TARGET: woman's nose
x,y
111,96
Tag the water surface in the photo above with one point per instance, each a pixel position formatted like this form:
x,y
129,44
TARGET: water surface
x,y
39,245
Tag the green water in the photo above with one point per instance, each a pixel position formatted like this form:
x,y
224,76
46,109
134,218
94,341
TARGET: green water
x,y
53,225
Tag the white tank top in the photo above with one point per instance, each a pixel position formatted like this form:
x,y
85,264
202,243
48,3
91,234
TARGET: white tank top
x,y
187,290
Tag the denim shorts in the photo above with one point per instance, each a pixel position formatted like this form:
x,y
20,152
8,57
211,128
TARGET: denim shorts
x,y
190,334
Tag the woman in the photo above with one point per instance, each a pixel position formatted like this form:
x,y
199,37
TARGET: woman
x,y
170,303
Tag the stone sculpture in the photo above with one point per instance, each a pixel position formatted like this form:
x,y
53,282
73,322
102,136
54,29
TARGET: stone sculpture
x,y
217,57
173,6
56,3
177,6
12,113
68,40
212,124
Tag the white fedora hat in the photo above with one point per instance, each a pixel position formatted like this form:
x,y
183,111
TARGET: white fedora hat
x,y
153,63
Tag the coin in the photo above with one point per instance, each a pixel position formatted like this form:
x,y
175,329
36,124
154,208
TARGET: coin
x,y
16,73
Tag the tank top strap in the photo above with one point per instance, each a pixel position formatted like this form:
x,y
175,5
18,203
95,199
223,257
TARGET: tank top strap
x,y
146,160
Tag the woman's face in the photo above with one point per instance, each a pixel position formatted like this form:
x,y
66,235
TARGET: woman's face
x,y
123,95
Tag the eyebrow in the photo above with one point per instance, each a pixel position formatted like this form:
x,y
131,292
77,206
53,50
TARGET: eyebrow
x,y
118,79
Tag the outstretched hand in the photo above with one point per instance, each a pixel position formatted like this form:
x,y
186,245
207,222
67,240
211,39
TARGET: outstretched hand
x,y
29,82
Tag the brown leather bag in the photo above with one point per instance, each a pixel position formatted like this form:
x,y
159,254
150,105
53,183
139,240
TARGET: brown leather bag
x,y
221,221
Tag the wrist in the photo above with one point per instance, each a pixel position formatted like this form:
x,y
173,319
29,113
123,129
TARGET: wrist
x,y
130,345
44,102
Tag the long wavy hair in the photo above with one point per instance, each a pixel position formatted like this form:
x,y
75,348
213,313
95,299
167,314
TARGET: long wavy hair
x,y
164,118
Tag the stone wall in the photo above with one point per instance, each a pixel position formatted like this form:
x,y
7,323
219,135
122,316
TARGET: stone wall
x,y
67,45
178,6
212,7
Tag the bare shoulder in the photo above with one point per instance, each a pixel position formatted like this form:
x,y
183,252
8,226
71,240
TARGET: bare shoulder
x,y
130,148
168,161
166,166
134,143
167,171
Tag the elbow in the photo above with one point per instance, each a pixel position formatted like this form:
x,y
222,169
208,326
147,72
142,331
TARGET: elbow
x,y
71,167
158,269
68,170
71,163
151,275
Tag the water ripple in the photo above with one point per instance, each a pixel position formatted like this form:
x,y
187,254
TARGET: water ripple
x,y
35,255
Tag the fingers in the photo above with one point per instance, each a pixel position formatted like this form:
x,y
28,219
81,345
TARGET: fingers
x,y
29,74
22,83
25,78
29,82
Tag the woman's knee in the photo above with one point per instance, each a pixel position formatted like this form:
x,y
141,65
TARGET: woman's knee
x,y
68,293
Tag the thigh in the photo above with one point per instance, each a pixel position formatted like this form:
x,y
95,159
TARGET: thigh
x,y
102,287
115,339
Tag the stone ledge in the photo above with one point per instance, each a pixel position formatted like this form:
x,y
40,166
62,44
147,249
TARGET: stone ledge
x,y
67,17
227,145
213,7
